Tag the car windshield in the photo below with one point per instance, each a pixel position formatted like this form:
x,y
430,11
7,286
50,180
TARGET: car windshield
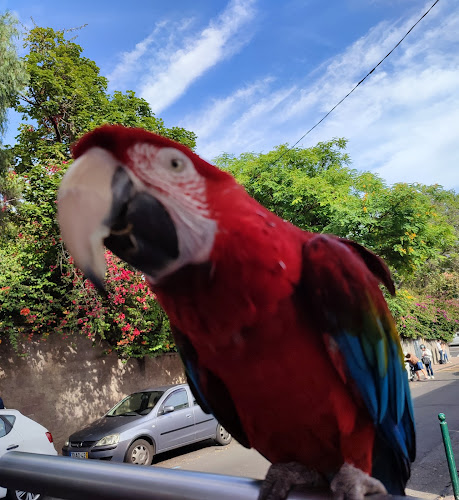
x,y
139,403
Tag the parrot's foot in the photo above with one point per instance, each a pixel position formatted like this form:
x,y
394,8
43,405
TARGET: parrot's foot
x,y
353,484
282,477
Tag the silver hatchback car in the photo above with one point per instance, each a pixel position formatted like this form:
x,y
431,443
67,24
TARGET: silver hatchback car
x,y
146,423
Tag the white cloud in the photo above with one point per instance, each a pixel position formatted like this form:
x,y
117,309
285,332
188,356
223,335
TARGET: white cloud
x,y
130,60
401,122
174,70
161,42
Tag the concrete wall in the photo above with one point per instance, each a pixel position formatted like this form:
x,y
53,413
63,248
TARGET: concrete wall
x,y
65,386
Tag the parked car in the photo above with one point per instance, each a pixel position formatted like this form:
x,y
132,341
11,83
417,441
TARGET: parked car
x,y
455,340
146,423
20,433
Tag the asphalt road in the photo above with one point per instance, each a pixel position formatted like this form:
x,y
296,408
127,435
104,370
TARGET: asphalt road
x,y
430,477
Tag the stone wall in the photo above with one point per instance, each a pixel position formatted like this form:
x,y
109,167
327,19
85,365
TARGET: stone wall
x,y
65,386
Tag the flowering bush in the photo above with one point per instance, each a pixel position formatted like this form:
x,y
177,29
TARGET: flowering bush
x,y
129,318
42,293
425,317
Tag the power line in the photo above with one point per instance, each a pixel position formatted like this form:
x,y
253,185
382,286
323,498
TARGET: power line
x,y
361,81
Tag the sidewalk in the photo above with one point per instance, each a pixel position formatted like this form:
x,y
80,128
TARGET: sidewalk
x,y
437,455
454,363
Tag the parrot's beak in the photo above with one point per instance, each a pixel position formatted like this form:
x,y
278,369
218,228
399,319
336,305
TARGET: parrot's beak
x,y
84,202
101,204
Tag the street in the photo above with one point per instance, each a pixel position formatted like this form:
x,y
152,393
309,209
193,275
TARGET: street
x,y
429,478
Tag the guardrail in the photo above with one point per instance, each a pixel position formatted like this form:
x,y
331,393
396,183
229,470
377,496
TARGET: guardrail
x,y
72,479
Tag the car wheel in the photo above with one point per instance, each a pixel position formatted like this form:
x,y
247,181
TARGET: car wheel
x,y
223,436
23,495
140,453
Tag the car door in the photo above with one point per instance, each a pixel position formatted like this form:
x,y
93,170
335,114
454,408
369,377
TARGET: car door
x,y
10,439
175,428
205,423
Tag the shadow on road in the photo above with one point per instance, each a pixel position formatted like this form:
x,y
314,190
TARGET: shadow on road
x,y
168,455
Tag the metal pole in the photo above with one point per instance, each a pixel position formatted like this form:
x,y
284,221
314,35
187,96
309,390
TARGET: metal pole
x,y
74,479
449,454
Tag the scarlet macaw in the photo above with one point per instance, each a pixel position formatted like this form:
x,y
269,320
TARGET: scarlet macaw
x,y
285,335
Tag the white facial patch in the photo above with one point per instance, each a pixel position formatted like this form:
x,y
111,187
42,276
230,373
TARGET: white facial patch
x,y
171,177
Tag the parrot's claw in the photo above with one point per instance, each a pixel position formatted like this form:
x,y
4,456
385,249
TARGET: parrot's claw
x,y
353,484
282,477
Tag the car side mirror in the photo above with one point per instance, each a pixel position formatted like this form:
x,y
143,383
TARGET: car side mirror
x,y
168,409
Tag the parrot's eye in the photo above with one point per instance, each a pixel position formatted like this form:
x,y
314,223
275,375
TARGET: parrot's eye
x,y
177,164
173,160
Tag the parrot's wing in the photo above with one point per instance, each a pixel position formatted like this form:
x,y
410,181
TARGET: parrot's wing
x,y
339,290
210,392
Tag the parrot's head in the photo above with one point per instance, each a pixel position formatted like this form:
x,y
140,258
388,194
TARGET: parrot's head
x,y
147,198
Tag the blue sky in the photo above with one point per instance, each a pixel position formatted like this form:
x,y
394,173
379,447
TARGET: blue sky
x,y
247,75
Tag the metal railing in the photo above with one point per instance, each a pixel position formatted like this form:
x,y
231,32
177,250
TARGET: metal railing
x,y
73,479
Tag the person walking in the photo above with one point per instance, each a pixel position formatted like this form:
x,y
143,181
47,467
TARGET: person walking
x,y
427,361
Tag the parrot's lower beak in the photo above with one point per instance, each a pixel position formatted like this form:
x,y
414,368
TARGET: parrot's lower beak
x,y
98,204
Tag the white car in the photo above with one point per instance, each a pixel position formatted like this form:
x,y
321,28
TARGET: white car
x,y
20,433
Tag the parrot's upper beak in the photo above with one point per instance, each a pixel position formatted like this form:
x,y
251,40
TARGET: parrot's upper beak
x,y
98,204
84,201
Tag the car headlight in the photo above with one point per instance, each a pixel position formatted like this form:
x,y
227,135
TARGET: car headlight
x,y
108,440
66,444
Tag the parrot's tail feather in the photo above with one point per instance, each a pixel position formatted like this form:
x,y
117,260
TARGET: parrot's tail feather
x,y
389,466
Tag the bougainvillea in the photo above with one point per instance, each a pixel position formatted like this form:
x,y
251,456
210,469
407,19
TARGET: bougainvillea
x,y
425,317
129,318
42,293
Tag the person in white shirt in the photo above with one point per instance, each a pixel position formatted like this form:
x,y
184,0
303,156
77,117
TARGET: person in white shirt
x,y
427,360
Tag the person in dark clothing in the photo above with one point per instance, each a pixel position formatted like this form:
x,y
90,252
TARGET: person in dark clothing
x,y
2,406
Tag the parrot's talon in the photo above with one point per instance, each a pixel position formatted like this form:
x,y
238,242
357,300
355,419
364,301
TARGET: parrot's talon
x,y
353,484
282,477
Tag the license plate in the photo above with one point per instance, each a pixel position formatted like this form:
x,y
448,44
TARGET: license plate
x,y
79,454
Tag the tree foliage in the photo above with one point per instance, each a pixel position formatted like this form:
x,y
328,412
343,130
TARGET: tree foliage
x,y
13,78
41,292
413,227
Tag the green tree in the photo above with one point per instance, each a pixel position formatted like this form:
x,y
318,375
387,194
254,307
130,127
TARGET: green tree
x,y
413,227
40,290
13,78
315,189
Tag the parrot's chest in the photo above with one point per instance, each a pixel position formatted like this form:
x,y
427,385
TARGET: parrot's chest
x,y
292,404
289,397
